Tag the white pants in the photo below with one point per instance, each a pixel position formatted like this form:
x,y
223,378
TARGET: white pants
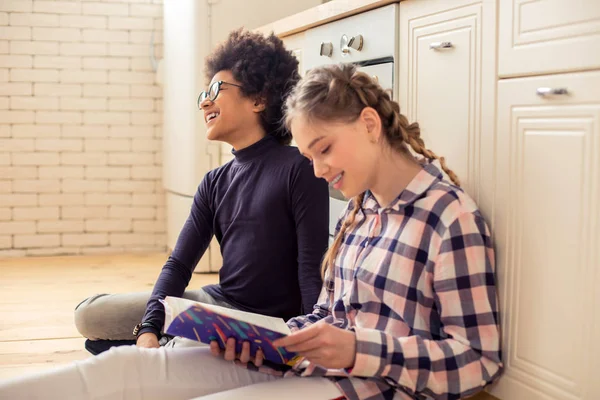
x,y
132,373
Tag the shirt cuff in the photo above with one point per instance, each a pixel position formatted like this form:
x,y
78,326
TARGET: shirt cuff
x,y
368,352
147,329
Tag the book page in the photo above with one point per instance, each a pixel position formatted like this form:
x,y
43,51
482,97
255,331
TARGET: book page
x,y
178,305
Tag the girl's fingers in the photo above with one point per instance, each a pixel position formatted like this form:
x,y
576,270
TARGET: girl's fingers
x,y
245,356
311,344
230,350
297,337
259,358
214,348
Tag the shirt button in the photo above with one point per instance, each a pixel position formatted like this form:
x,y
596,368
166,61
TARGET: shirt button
x,y
483,383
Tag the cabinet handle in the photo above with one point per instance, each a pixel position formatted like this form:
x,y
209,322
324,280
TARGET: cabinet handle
x,y
546,91
440,45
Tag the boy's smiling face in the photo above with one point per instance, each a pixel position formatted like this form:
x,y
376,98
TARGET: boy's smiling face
x,y
231,115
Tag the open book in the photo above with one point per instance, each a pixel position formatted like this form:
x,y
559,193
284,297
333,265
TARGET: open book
x,y
207,322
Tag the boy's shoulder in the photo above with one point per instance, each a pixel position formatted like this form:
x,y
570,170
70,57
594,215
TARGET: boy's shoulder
x,y
287,158
220,170
290,154
214,176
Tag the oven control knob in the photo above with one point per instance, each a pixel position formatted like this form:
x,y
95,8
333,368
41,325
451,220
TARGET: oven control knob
x,y
356,42
347,43
326,49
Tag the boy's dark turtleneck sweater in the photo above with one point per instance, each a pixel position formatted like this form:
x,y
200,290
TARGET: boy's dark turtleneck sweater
x,y
270,215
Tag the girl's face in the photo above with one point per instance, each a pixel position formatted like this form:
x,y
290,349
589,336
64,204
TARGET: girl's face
x,y
345,154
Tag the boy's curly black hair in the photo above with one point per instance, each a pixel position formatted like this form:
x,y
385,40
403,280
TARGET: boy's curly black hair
x,y
264,68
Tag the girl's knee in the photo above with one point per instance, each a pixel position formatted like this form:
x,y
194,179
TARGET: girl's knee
x,y
126,358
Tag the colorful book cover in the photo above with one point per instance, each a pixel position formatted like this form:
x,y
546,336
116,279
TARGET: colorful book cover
x,y
207,322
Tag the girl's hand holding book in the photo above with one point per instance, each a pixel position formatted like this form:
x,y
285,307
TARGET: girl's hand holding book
x,y
230,355
322,344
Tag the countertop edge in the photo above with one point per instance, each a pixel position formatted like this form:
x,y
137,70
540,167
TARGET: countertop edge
x,y
319,15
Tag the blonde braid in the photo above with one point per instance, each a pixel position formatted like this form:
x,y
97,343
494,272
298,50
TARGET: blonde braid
x,y
418,145
329,258
398,130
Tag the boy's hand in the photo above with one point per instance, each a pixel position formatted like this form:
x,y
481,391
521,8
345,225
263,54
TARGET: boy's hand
x,y
147,340
229,352
322,344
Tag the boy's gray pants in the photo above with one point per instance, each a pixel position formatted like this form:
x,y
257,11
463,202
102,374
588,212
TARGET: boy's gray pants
x,y
113,316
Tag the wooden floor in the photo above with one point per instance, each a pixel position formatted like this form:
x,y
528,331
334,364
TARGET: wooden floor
x,y
38,296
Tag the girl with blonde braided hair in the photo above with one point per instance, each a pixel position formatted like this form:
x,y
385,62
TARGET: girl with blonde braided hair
x,y
409,305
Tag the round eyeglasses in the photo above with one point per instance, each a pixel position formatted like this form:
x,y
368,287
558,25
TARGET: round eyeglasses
x,y
213,92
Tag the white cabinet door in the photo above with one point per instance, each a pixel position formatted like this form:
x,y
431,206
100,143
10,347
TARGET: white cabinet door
x,y
295,44
547,236
541,36
447,85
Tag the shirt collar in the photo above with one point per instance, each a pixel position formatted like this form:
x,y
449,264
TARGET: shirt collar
x,y
430,174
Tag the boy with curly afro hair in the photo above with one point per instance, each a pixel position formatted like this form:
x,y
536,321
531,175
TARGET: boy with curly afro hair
x,y
267,210
266,71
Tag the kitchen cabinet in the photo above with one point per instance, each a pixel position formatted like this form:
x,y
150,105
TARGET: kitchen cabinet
x,y
527,150
547,36
447,84
547,235
295,43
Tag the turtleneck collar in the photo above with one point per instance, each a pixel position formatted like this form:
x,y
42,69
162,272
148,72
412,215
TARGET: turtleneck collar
x,y
255,150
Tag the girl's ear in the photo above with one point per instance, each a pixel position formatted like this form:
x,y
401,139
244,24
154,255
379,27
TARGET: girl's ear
x,y
372,123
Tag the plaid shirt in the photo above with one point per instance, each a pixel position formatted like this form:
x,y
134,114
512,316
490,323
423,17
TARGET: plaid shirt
x,y
416,282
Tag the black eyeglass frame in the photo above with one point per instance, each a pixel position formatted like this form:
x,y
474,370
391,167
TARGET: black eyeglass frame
x,y
206,95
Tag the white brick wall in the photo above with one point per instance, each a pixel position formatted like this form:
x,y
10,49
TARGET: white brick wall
x,y
80,127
